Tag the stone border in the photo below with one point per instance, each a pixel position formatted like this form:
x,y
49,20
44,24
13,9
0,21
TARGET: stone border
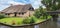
x,y
24,24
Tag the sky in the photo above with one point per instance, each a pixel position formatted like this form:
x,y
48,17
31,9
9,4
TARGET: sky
x,y
6,3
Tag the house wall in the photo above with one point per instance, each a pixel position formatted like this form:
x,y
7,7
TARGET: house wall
x,y
31,12
25,14
28,13
11,15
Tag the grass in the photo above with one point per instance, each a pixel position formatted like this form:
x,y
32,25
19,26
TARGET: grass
x,y
11,20
41,20
19,20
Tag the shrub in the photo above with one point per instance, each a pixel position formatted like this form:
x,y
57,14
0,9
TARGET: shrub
x,y
29,20
2,16
26,21
32,19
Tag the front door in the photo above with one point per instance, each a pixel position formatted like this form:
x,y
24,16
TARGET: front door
x,y
15,14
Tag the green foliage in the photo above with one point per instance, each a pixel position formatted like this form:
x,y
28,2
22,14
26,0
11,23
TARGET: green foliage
x,y
40,12
29,20
37,13
26,21
51,6
32,19
2,16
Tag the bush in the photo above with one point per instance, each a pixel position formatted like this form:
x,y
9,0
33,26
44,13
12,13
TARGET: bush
x,y
29,20
2,16
26,21
32,20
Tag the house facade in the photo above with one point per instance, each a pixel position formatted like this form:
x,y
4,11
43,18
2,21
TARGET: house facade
x,y
19,10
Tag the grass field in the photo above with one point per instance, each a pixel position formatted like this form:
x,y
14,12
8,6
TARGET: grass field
x,y
41,20
12,20
18,20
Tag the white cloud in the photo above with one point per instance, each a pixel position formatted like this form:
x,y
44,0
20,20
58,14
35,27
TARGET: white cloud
x,y
16,3
36,3
5,3
3,7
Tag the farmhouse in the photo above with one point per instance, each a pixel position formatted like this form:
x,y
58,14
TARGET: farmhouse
x,y
19,10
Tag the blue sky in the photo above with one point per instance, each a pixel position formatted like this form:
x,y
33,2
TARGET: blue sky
x,y
6,3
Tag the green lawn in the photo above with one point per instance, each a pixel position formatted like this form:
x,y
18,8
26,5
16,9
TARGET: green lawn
x,y
18,20
41,20
11,20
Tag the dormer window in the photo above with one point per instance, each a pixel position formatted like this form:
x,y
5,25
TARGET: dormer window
x,y
31,8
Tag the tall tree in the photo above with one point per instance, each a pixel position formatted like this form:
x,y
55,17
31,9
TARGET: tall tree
x,y
40,12
51,5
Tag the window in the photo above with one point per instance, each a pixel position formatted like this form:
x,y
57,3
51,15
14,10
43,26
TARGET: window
x,y
22,13
31,8
19,13
6,14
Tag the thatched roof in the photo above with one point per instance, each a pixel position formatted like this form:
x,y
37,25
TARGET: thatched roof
x,y
17,8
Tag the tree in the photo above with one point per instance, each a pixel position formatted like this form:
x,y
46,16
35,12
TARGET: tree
x,y
51,5
40,12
